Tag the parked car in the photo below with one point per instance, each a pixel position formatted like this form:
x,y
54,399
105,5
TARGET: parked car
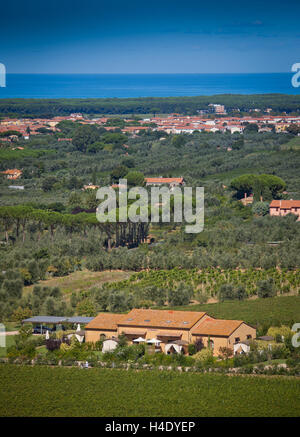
x,y
41,329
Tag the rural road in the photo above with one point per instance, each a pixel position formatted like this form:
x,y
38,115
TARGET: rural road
x,y
10,333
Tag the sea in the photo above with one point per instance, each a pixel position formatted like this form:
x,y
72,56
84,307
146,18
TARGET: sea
x,y
143,85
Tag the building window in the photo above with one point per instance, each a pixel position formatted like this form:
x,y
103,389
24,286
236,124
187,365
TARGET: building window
x,y
249,336
237,339
102,337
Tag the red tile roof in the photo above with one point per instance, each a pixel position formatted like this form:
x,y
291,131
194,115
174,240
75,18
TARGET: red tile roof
x,y
105,321
218,327
285,204
12,173
163,180
161,318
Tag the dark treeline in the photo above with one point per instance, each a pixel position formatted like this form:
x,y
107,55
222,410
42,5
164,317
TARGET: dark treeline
x,y
13,219
153,105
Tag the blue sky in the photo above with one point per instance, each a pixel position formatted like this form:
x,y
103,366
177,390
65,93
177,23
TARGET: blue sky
x,y
95,36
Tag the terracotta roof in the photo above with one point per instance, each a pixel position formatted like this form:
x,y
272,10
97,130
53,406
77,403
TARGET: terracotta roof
x,y
285,204
133,128
105,321
163,180
12,171
91,187
161,318
219,327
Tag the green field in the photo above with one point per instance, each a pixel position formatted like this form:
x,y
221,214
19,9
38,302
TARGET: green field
x,y
10,341
209,281
281,309
81,280
45,391
9,154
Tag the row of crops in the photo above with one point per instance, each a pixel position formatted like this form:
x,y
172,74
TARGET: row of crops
x,y
46,391
210,280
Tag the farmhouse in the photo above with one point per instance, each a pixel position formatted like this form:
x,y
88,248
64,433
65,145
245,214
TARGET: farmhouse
x,y
284,207
247,200
90,187
103,326
169,331
12,173
217,333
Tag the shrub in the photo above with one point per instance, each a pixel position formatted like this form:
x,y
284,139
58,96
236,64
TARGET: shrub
x,y
53,344
201,297
192,349
279,351
260,208
293,361
240,360
265,288
21,313
205,356
282,331
98,345
132,352
199,344
86,308
64,347
59,334
180,296
225,352
226,292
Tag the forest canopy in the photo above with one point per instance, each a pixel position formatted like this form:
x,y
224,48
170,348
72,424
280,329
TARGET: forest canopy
x,y
154,105
265,185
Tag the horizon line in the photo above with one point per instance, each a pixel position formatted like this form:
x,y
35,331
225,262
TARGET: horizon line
x,y
218,73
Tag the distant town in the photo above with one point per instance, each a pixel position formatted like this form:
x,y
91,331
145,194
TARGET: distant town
x,y
215,120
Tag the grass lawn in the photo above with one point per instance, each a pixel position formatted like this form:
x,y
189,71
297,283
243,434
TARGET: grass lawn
x,y
42,350
46,391
10,341
12,326
81,280
282,309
